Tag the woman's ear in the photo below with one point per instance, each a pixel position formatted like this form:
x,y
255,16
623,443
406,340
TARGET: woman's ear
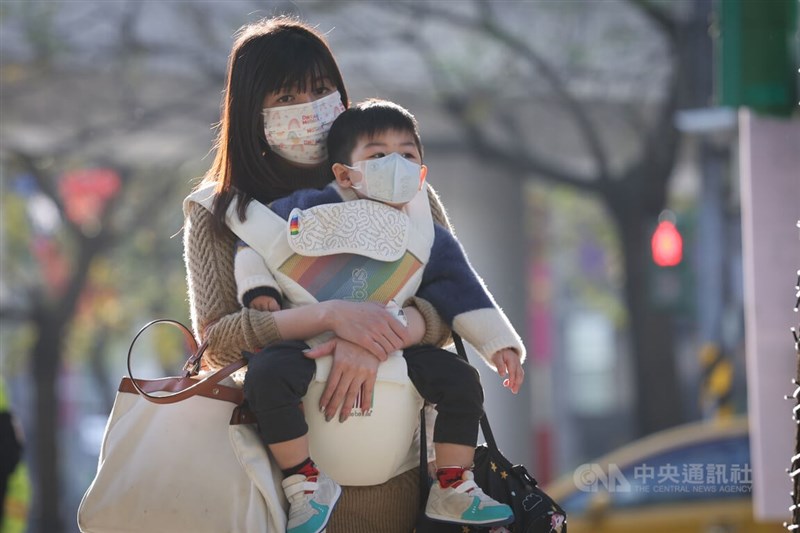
x,y
342,174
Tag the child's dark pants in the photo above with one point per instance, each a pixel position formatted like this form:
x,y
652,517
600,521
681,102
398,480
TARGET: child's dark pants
x,y
278,377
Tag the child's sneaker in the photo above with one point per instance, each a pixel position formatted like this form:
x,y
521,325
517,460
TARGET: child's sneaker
x,y
311,501
465,503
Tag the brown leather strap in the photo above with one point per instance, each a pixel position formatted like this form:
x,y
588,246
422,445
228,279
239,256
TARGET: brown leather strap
x,y
176,384
242,415
203,387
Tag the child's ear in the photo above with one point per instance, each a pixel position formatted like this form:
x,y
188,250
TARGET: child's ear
x,y
342,174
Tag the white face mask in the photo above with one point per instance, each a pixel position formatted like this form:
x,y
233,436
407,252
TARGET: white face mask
x,y
298,132
392,179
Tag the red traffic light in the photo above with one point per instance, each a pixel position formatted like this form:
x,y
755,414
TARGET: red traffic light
x,y
666,244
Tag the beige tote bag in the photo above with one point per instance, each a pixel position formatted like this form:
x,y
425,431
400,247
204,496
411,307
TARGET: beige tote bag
x,y
179,455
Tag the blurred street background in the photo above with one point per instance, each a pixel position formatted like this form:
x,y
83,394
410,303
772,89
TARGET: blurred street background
x,y
590,155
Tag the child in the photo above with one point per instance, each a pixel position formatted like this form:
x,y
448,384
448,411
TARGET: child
x,y
370,221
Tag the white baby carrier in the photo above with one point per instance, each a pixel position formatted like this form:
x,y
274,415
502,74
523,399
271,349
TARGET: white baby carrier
x,y
373,252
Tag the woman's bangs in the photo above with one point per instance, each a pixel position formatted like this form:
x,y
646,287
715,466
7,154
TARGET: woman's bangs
x,y
302,70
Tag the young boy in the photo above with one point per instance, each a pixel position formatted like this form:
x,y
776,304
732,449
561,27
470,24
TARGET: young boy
x,y
376,154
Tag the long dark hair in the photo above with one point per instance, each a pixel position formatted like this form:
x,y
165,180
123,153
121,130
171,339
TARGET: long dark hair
x,y
267,56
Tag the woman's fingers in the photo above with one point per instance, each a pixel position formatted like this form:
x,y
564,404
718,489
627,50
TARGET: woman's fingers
x,y
352,374
378,338
367,390
349,400
361,387
388,345
339,397
327,394
389,333
376,348
398,333
321,350
370,326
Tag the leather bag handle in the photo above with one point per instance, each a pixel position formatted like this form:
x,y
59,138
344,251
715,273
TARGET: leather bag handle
x,y
191,367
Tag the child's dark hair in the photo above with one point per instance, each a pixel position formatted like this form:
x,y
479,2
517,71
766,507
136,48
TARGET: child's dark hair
x,y
367,119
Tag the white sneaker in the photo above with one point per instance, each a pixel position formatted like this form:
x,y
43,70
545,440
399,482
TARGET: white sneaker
x,y
311,501
465,503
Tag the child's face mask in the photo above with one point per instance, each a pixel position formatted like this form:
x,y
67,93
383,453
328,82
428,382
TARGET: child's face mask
x,y
298,132
392,179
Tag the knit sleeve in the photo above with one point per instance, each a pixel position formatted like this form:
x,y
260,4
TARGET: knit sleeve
x,y
437,332
216,314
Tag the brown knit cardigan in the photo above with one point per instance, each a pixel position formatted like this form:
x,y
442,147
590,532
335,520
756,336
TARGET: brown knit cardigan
x,y
218,318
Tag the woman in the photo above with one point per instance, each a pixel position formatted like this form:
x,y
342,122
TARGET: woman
x,y
274,63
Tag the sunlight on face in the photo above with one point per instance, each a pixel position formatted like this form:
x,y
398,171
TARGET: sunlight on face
x,y
293,95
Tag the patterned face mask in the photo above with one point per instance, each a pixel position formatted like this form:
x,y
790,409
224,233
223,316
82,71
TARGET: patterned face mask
x,y
392,179
298,132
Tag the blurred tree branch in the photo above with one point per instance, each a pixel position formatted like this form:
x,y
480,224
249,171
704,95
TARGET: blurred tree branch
x,y
518,157
634,193
488,25
663,20
133,208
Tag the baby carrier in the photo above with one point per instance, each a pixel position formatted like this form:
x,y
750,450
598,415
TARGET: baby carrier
x,y
378,254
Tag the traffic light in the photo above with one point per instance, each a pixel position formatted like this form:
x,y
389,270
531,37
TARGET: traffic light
x,y
666,244
669,274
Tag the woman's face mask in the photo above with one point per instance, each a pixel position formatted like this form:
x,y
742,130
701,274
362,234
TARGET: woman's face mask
x,y
298,132
392,179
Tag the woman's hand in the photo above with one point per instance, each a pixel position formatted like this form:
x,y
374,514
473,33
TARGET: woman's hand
x,y
367,324
370,326
353,371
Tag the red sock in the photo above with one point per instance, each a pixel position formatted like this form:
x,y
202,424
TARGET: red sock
x,y
306,468
449,475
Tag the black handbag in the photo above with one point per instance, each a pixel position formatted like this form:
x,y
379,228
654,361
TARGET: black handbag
x,y
534,510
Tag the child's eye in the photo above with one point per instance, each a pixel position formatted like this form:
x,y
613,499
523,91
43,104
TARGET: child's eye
x,y
285,99
322,90
377,155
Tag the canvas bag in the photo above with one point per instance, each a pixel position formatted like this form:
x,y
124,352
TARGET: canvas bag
x,y
180,455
